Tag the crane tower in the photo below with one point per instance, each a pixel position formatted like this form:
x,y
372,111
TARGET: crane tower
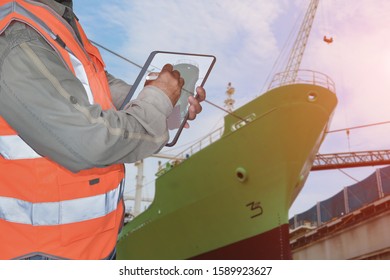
x,y
295,58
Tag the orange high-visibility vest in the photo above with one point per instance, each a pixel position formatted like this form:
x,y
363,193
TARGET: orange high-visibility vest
x,y
44,208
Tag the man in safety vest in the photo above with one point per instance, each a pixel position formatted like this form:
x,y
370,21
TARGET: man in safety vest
x,y
62,141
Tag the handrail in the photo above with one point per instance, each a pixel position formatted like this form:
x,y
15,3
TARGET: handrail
x,y
302,76
199,145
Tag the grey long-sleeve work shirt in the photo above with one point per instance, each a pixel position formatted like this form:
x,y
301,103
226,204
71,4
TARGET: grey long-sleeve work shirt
x,y
77,136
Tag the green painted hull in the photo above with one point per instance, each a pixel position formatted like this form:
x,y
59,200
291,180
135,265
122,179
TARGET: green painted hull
x,y
238,188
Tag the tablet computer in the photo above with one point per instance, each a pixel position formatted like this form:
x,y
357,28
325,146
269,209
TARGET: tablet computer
x,y
193,68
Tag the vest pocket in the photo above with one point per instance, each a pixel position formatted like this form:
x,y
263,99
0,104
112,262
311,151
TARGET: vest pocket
x,y
89,205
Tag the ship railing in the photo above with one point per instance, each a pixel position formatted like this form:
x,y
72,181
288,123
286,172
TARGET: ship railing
x,y
188,152
302,76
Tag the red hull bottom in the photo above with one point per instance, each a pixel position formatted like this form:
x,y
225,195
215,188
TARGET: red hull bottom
x,y
270,245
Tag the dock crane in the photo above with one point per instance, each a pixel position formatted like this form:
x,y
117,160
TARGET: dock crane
x,y
295,58
335,160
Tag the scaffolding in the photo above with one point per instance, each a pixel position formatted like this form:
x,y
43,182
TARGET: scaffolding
x,y
351,159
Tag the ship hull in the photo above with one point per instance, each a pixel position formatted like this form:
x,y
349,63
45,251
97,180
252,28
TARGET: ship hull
x,y
231,199
269,245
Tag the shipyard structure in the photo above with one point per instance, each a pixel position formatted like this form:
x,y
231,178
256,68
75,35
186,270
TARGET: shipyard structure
x,y
352,224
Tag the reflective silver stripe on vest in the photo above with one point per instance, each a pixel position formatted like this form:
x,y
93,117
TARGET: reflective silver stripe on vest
x,y
15,7
13,147
5,10
60,213
82,76
77,65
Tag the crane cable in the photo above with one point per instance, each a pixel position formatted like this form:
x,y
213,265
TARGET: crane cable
x,y
347,130
230,113
359,126
116,54
282,54
349,176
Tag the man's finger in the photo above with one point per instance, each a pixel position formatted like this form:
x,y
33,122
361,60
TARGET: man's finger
x,y
176,74
167,67
201,94
191,113
195,104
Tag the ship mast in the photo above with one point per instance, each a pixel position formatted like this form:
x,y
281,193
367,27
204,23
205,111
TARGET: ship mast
x,y
229,101
295,58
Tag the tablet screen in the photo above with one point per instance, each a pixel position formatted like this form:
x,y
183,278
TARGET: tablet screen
x,y
193,68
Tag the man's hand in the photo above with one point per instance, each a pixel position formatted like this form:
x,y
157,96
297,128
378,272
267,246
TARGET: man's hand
x,y
195,107
169,81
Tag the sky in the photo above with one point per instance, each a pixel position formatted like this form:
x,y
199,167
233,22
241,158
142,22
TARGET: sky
x,y
249,37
